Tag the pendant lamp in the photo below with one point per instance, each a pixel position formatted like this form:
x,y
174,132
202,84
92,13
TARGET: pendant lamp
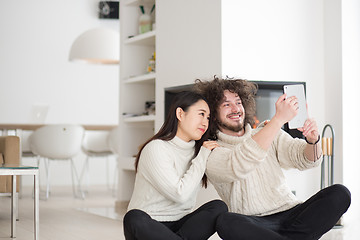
x,y
99,45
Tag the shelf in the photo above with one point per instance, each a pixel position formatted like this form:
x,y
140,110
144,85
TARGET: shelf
x,y
147,38
144,118
148,77
138,2
128,163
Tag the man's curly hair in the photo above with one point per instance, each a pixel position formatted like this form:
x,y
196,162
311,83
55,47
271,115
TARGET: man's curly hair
x,y
213,91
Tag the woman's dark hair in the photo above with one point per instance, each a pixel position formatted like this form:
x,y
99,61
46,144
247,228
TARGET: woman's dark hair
x,y
213,91
168,130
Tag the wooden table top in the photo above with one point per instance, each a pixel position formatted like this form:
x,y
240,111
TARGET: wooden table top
x,y
29,126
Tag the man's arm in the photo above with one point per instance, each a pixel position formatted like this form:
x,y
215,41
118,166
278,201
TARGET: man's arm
x,y
286,109
310,131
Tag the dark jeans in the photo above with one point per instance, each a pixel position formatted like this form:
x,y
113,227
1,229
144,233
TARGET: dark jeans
x,y
197,225
309,220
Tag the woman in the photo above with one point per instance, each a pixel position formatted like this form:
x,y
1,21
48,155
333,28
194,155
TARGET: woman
x,y
170,167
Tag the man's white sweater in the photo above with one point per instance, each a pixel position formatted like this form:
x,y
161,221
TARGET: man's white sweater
x,y
168,179
250,179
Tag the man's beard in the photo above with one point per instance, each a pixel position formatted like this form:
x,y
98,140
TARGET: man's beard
x,y
235,128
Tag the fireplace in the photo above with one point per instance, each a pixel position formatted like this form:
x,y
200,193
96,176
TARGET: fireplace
x,y
267,94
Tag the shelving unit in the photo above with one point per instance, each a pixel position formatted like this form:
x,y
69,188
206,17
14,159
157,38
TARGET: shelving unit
x,y
145,118
128,164
137,86
187,47
146,39
137,2
150,77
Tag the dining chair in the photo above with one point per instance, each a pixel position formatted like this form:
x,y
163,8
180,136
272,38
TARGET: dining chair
x,y
58,142
95,146
25,144
114,140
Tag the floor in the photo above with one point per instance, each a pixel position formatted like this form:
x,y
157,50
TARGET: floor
x,y
64,217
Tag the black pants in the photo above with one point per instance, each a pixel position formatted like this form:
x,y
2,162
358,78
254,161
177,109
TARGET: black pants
x,y
197,225
309,220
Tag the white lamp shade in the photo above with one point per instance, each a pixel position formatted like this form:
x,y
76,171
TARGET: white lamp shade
x,y
99,45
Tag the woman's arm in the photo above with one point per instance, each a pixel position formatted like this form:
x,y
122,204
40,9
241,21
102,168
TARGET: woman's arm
x,y
158,165
231,164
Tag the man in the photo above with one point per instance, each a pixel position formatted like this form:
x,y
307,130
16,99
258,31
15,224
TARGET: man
x,y
246,168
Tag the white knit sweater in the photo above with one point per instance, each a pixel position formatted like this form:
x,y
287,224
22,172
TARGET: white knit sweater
x,y
249,179
168,179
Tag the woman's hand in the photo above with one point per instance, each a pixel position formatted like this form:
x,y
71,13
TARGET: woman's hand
x,y
210,144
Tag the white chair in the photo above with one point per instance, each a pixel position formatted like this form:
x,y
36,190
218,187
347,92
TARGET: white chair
x,y
114,140
58,142
25,144
114,145
95,146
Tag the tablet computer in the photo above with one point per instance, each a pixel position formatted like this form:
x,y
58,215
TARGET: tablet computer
x,y
298,91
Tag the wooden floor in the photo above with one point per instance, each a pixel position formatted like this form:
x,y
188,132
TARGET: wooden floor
x,y
63,217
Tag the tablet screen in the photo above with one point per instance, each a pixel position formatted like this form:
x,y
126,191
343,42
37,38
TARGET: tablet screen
x,y
298,91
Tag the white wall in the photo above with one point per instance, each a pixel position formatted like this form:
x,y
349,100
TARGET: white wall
x,y
279,40
35,41
350,10
306,40
36,37
188,45
264,40
333,80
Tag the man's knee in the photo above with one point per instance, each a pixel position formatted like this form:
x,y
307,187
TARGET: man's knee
x,y
223,225
237,226
228,220
341,196
344,195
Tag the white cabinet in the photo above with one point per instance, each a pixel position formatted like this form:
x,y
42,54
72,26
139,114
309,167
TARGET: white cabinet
x,y
137,85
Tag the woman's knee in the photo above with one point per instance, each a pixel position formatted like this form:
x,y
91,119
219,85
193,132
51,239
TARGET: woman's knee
x,y
219,206
134,217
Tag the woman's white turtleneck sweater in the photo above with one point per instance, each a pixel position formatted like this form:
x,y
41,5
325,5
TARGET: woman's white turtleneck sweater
x,y
168,179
